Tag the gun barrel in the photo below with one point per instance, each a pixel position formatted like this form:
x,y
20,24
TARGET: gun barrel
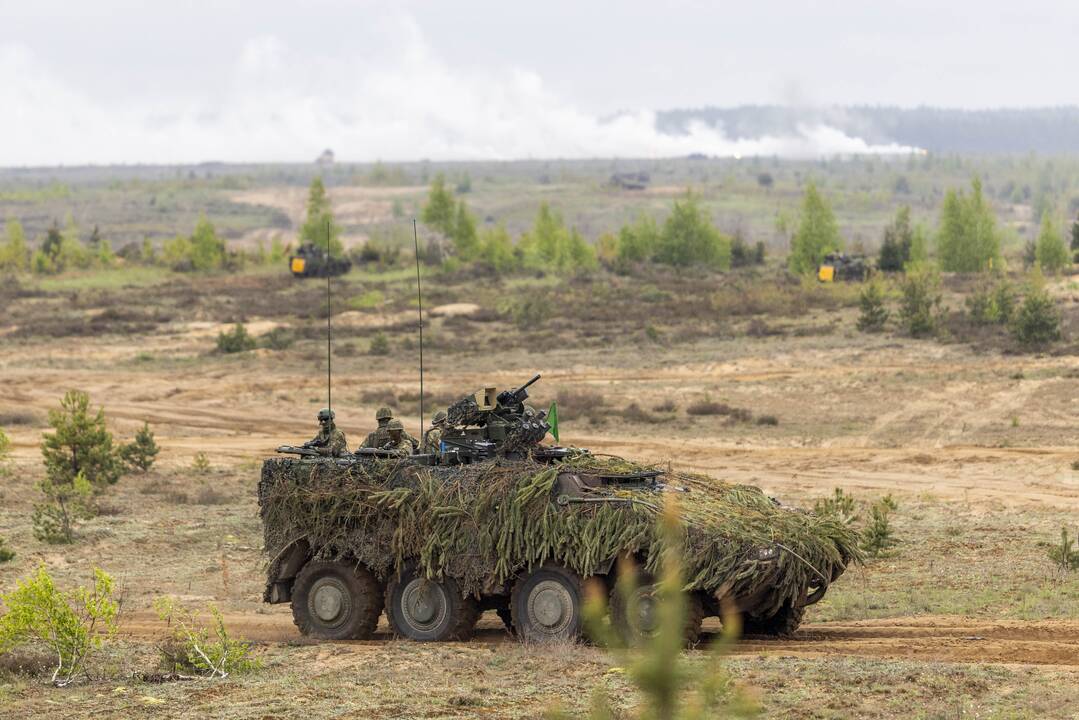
x,y
529,383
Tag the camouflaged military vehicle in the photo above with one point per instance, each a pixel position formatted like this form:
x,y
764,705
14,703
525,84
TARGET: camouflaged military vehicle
x,y
311,260
498,520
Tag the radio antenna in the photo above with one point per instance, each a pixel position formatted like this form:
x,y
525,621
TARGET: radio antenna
x,y
329,327
419,305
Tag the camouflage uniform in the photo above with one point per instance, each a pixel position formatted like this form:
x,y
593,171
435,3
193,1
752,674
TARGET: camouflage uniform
x,y
399,442
330,440
381,435
432,439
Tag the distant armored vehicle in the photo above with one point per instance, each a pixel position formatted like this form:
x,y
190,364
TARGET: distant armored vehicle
x,y
630,180
311,260
839,266
496,520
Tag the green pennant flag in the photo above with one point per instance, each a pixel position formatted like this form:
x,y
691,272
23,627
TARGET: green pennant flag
x,y
552,420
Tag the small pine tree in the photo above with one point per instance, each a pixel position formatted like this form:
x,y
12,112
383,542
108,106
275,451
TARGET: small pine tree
x,y
319,218
465,240
207,250
201,463
236,340
439,212
817,234
968,240
689,238
1049,250
1064,555
873,315
79,445
637,242
839,505
6,553
919,306
898,238
380,344
877,536
1037,322
53,520
14,254
496,250
142,451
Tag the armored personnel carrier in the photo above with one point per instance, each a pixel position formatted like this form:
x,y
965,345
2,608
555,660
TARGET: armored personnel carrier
x,y
838,267
311,260
498,520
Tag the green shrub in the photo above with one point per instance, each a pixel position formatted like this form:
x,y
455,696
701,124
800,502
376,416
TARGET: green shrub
x,y
817,233
201,463
72,626
279,338
6,554
236,340
637,242
439,212
497,251
1049,250
895,250
319,218
80,444
919,308
14,253
967,237
877,536
210,652
141,452
550,245
53,520
689,238
1037,323
839,505
380,344
1064,555
874,316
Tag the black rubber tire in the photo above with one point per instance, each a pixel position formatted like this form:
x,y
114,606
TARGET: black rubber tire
x,y
555,583
456,620
632,634
782,624
357,590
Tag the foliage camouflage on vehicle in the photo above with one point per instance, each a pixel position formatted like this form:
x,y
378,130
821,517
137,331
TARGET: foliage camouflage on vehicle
x,y
484,523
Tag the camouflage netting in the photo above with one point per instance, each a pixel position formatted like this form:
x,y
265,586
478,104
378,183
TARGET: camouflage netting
x,y
482,524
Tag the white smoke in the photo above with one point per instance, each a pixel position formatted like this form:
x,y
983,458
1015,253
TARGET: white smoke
x,y
400,103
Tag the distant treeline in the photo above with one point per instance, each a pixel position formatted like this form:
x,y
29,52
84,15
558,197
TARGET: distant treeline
x,y
1039,130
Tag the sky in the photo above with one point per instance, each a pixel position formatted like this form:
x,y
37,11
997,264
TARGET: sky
x,y
116,81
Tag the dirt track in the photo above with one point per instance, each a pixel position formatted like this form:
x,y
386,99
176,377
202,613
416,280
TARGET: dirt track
x,y
925,639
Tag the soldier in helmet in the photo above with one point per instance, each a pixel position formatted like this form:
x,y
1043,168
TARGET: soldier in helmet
x,y
380,436
398,443
329,441
432,439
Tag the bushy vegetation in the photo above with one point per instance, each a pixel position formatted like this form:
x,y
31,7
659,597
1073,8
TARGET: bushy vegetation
x,y
1064,555
192,648
550,245
6,553
992,303
1050,252
1037,321
919,307
319,226
140,453
202,251
898,243
967,236
873,315
877,535
80,444
817,233
71,626
236,340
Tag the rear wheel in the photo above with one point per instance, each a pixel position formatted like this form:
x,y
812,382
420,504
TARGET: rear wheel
x,y
546,605
422,609
635,617
782,624
336,601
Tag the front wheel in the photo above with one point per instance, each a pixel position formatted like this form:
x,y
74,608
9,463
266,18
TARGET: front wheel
x,y
336,601
636,618
546,605
429,610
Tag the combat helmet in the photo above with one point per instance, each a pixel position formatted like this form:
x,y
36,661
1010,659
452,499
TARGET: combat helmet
x,y
395,425
440,417
384,413
326,414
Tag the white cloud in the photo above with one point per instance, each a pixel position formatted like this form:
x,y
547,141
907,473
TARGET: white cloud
x,y
385,101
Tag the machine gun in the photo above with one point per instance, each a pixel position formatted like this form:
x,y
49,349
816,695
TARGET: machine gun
x,y
303,451
484,425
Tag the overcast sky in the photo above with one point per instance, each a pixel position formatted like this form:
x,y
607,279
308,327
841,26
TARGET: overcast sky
x,y
258,80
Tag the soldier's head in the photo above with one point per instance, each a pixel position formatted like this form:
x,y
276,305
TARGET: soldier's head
x,y
439,419
383,416
325,416
396,429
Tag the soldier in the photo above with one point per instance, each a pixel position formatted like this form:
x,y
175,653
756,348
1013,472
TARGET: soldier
x,y
329,441
432,439
380,436
398,443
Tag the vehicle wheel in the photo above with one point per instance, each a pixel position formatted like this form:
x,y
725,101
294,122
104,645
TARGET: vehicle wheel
x,y
546,605
782,624
336,601
422,609
634,617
